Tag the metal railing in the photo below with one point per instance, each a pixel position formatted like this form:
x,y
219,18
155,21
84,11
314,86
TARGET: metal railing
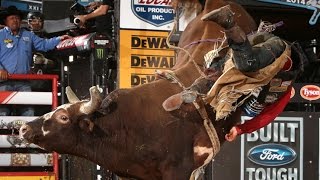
x,y
55,156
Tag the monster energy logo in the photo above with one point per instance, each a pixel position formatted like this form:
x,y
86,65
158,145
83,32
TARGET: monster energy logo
x,y
100,53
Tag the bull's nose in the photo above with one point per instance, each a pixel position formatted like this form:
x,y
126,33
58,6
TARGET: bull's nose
x,y
24,129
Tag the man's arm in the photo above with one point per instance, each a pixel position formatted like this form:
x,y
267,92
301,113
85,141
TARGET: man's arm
x,y
264,118
101,10
42,44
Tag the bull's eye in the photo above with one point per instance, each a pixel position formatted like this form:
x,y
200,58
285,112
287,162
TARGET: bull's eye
x,y
64,118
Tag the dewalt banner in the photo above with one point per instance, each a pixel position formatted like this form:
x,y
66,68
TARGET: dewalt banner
x,y
141,53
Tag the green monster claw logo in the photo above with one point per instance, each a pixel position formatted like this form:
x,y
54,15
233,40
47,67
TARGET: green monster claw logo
x,y
100,53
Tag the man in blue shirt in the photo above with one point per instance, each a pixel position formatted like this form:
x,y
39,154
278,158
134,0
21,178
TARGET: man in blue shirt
x,y
16,47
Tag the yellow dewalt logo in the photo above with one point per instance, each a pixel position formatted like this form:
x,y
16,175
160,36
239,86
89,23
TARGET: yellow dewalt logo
x,y
152,62
138,79
148,42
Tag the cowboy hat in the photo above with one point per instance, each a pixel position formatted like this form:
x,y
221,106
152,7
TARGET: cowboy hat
x,y
11,10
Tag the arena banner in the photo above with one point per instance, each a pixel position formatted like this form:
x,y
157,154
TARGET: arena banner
x,y
312,5
286,149
306,92
151,15
273,152
146,14
141,54
24,5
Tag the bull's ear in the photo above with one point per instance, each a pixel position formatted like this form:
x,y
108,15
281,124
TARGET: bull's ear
x,y
86,125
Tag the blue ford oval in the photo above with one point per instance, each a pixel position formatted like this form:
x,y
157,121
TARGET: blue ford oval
x,y
272,154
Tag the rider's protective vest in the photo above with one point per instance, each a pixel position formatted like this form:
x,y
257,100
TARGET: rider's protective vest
x,y
271,92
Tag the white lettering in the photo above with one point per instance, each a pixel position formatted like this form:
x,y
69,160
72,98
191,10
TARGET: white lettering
x,y
101,42
297,1
140,9
271,154
160,10
157,17
275,132
308,92
272,174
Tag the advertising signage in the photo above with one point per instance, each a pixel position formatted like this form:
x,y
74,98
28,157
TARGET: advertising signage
x,y
312,5
141,54
24,5
273,152
305,92
157,15
147,14
155,12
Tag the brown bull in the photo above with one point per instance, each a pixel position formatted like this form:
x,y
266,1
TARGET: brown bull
x,y
131,134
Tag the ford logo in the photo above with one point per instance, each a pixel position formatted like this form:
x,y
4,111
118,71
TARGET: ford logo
x,y
272,155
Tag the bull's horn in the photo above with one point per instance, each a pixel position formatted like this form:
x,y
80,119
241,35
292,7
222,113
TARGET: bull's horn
x,y
72,97
89,107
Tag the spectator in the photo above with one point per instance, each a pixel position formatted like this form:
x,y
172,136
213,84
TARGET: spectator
x,y
16,46
35,23
41,64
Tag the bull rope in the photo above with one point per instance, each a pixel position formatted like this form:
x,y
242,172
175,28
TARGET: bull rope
x,y
182,49
211,131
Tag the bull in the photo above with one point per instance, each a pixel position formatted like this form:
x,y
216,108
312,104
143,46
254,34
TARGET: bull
x,y
128,132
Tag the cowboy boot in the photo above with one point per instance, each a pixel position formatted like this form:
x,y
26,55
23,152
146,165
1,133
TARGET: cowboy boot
x,y
222,16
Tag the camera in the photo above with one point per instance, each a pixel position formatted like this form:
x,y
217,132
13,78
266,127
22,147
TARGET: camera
x,y
78,9
76,21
